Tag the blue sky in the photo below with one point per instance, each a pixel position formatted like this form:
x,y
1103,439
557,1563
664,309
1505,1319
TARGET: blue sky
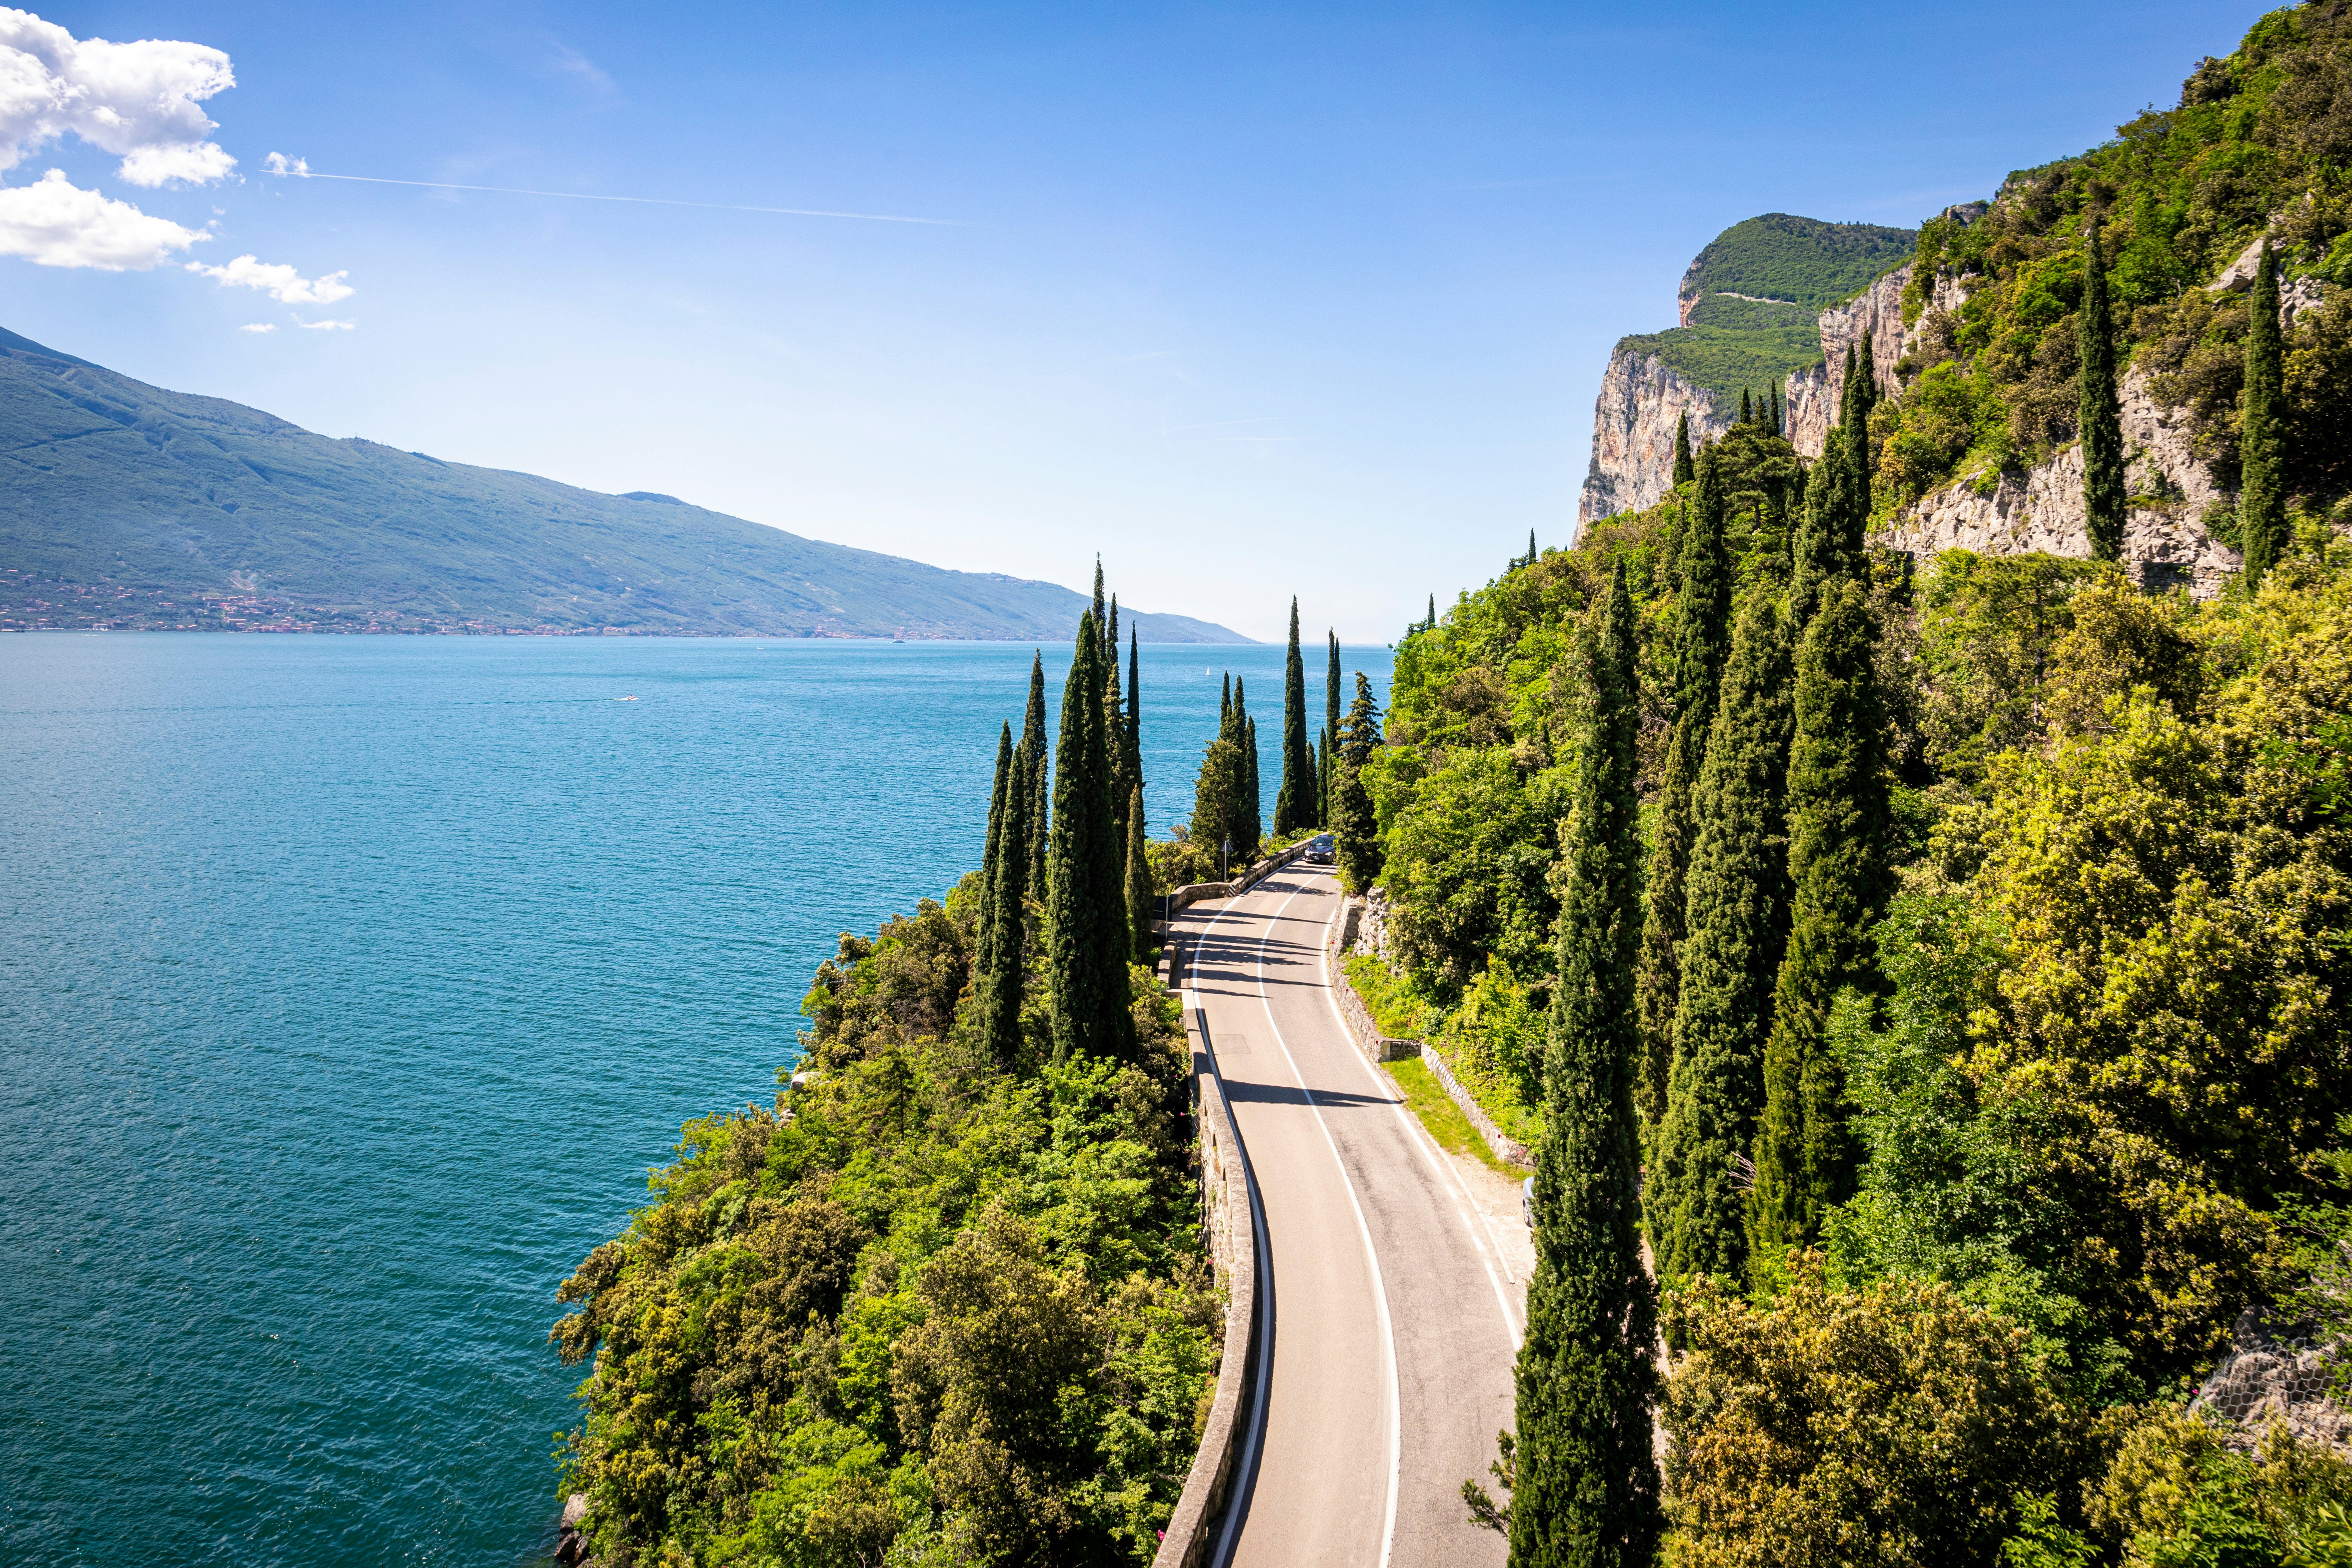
x,y
1251,302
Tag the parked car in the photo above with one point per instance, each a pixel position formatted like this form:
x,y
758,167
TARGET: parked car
x,y
1319,849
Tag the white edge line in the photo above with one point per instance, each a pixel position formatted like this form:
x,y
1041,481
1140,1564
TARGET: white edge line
x,y
1262,1304
1363,1229
1439,1162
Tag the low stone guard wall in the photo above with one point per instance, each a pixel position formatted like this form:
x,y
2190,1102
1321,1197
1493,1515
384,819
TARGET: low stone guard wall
x,y
1230,1214
1195,892
1384,1048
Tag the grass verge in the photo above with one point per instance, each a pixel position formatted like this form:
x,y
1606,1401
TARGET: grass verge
x,y
1427,1099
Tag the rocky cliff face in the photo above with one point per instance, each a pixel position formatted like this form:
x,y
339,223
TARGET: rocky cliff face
x,y
1813,394
2165,541
1634,434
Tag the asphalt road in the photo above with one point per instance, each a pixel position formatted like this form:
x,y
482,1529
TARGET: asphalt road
x,y
1397,1300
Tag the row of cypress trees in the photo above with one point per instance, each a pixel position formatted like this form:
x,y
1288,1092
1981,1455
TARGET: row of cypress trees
x,y
1770,861
1064,858
1692,997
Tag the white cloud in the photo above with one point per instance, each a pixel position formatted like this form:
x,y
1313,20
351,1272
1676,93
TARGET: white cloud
x,y
279,164
327,326
57,224
259,327
138,101
282,282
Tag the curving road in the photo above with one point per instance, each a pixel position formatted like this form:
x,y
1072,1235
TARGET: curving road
x,y
1398,1274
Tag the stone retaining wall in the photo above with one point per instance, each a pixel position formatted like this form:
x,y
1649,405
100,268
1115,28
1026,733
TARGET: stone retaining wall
x,y
1230,1214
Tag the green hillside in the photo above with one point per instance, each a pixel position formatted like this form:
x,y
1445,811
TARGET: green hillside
x,y
1802,260
1756,294
126,505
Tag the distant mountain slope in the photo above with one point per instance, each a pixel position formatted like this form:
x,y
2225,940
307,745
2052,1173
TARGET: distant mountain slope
x,y
124,504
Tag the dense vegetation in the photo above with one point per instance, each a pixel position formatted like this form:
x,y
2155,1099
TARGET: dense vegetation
x,y
1989,1056
1756,294
2261,140
946,1301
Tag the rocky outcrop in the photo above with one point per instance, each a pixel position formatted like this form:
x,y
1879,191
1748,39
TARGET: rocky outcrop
x,y
1634,434
1813,394
2165,541
2271,1377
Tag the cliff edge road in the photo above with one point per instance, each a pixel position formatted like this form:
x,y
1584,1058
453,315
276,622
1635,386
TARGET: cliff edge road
x,y
1397,1309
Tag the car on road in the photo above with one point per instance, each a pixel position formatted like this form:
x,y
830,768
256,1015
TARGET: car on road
x,y
1319,849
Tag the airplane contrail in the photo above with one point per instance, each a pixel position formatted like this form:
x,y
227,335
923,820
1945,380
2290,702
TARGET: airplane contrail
x,y
298,169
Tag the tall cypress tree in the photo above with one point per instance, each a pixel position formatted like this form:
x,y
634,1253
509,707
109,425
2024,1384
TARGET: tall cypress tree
x,y
1746,412
2100,415
982,924
2262,492
1329,770
1780,411
1840,877
1102,612
1132,733
1586,1491
1139,896
1355,832
1685,469
1702,642
1114,713
1736,911
1004,974
1862,397
1038,818
1826,544
1087,912
1290,811
1253,799
1431,625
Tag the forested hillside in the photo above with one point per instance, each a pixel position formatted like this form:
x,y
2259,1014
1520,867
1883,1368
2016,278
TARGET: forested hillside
x,y
946,1301
1961,945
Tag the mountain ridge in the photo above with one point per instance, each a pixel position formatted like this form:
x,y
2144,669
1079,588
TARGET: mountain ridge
x,y
128,505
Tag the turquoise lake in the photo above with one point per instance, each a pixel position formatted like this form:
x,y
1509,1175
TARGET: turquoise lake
x,y
348,988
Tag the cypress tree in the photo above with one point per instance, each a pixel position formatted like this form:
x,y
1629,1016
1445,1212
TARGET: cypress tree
x,y
1431,625
1329,722
1702,637
1088,909
2261,492
1032,740
1779,412
2100,415
1862,397
995,847
1138,881
1132,733
1826,544
1115,779
1840,882
1736,913
1747,414
1110,660
1100,612
1225,710
1004,971
1355,831
1297,768
1685,469
1253,798
1586,1491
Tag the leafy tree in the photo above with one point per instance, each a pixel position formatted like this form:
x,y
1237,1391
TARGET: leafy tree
x,y
1839,871
1086,904
2261,505
1889,1427
1737,919
1468,865
2101,421
1702,616
1293,802
1586,1482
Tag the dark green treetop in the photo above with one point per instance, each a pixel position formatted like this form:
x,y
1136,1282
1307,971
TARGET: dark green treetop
x,y
1686,467
2261,492
1585,1492
1840,877
2101,416
1086,904
1737,910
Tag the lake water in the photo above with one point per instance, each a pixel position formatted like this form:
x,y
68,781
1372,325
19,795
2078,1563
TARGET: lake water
x,y
348,988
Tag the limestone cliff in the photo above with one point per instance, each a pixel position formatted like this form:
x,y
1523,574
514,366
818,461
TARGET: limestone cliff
x,y
1642,399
